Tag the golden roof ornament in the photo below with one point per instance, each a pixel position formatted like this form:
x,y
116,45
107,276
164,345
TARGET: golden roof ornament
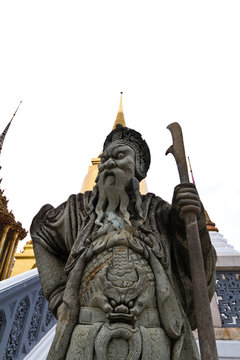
x,y
210,224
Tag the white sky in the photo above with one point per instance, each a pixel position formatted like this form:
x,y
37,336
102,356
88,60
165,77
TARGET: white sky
x,y
68,61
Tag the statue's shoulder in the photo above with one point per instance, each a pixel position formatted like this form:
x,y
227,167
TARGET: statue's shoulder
x,y
76,203
49,213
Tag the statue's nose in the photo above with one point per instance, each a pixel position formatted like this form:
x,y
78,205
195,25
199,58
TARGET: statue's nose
x,y
110,164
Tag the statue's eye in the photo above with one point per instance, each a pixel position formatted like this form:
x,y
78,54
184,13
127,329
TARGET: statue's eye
x,y
120,156
103,159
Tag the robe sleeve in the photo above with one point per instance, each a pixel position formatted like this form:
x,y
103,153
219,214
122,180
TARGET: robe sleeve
x,y
53,233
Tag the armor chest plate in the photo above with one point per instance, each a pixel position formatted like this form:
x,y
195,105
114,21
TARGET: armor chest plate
x,y
120,282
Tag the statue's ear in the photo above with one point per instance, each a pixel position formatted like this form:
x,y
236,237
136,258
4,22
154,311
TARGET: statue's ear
x,y
135,184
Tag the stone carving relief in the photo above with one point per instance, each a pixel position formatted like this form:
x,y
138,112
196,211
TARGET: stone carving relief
x,y
36,317
16,331
49,319
2,323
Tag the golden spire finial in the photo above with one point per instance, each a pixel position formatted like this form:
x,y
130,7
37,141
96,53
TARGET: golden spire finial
x,y
120,117
120,109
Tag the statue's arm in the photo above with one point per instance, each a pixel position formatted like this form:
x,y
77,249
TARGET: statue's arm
x,y
52,275
53,232
186,199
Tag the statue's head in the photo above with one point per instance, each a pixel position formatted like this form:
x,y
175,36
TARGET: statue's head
x,y
124,162
128,143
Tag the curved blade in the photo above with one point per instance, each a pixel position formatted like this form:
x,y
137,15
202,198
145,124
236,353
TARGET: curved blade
x,y
178,151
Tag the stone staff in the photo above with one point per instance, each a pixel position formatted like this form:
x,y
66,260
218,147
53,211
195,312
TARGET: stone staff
x,y
200,293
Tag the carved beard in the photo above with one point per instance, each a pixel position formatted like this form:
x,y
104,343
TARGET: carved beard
x,y
112,194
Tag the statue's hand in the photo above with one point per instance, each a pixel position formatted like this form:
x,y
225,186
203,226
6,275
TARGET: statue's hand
x,y
186,199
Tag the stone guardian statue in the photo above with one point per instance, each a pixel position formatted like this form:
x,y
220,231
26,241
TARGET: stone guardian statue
x,y
114,264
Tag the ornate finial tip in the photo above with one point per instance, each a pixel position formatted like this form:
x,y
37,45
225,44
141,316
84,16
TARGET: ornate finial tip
x,y
121,92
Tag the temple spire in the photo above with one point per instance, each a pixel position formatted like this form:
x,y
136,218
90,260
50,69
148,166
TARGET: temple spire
x,y
120,116
2,136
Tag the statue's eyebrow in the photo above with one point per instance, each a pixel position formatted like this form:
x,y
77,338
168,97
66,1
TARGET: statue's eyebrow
x,y
118,149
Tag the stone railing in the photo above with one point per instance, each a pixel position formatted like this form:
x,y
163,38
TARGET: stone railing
x,y
24,315
228,296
